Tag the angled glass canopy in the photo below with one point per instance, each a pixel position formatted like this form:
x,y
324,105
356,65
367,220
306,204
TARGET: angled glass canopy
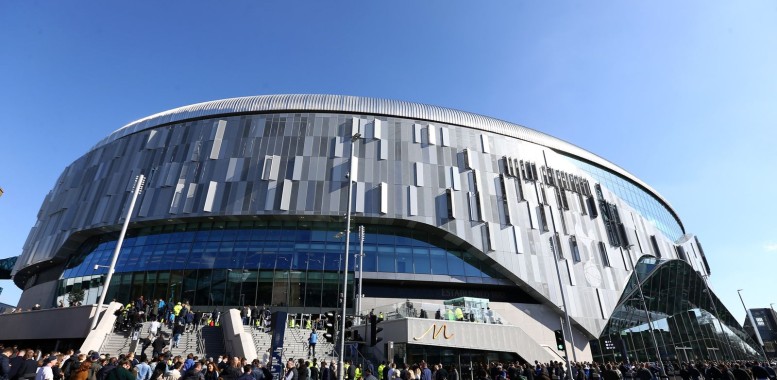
x,y
689,322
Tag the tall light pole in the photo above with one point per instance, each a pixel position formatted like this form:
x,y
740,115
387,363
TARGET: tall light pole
x,y
717,315
139,180
650,320
350,176
563,303
755,327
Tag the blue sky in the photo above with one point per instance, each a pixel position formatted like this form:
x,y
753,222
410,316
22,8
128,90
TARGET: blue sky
x,y
681,94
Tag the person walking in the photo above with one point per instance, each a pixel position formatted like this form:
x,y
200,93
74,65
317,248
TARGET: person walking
x,y
312,340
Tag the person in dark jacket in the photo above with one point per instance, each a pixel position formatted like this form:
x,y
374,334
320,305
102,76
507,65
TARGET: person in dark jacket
x,y
232,371
739,373
122,372
5,363
609,373
194,373
158,345
17,362
160,369
247,373
643,373
291,371
29,368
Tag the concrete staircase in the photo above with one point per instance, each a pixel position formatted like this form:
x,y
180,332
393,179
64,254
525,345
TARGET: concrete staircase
x,y
116,343
295,343
119,342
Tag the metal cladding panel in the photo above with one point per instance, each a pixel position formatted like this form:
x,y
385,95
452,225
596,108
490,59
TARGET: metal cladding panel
x,y
270,179
342,103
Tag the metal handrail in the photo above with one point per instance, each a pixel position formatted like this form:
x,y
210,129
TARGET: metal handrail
x,y
200,341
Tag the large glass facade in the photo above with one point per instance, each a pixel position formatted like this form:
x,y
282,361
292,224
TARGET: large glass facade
x,y
647,205
689,322
256,262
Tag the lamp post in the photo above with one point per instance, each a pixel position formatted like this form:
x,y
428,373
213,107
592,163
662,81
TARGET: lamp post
x,y
350,176
755,327
139,180
650,320
564,304
717,316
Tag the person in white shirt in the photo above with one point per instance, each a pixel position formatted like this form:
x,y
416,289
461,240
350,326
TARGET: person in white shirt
x,y
175,373
154,328
45,372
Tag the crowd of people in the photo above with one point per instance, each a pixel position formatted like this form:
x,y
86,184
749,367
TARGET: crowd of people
x,y
555,370
26,364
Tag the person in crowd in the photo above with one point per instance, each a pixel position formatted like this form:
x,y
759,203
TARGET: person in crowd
x,y
759,372
739,373
142,368
247,373
291,371
303,372
178,329
5,363
231,371
211,372
82,372
158,346
312,341
160,367
325,373
29,369
175,372
368,375
194,373
46,372
426,373
96,366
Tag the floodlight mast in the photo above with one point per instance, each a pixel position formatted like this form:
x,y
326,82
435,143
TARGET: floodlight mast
x,y
139,180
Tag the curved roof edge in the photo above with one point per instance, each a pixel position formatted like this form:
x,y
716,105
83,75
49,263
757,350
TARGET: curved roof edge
x,y
375,106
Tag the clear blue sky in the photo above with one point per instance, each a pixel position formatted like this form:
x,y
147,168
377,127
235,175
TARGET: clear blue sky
x,y
681,94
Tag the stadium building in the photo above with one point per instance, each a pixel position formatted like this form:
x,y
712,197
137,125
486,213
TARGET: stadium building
x,y
246,202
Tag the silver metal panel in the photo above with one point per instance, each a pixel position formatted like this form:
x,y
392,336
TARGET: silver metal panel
x,y
359,193
377,129
210,197
419,174
319,102
412,197
286,195
384,196
431,134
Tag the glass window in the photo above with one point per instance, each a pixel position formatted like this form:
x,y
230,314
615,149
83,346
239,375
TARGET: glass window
x,y
404,260
386,259
421,261
439,262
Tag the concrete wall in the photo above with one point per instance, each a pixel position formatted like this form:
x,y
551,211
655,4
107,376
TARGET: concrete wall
x,y
60,323
96,337
41,294
236,339
468,335
537,321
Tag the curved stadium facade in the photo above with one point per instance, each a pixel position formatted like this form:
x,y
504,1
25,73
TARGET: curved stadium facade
x,y
245,203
